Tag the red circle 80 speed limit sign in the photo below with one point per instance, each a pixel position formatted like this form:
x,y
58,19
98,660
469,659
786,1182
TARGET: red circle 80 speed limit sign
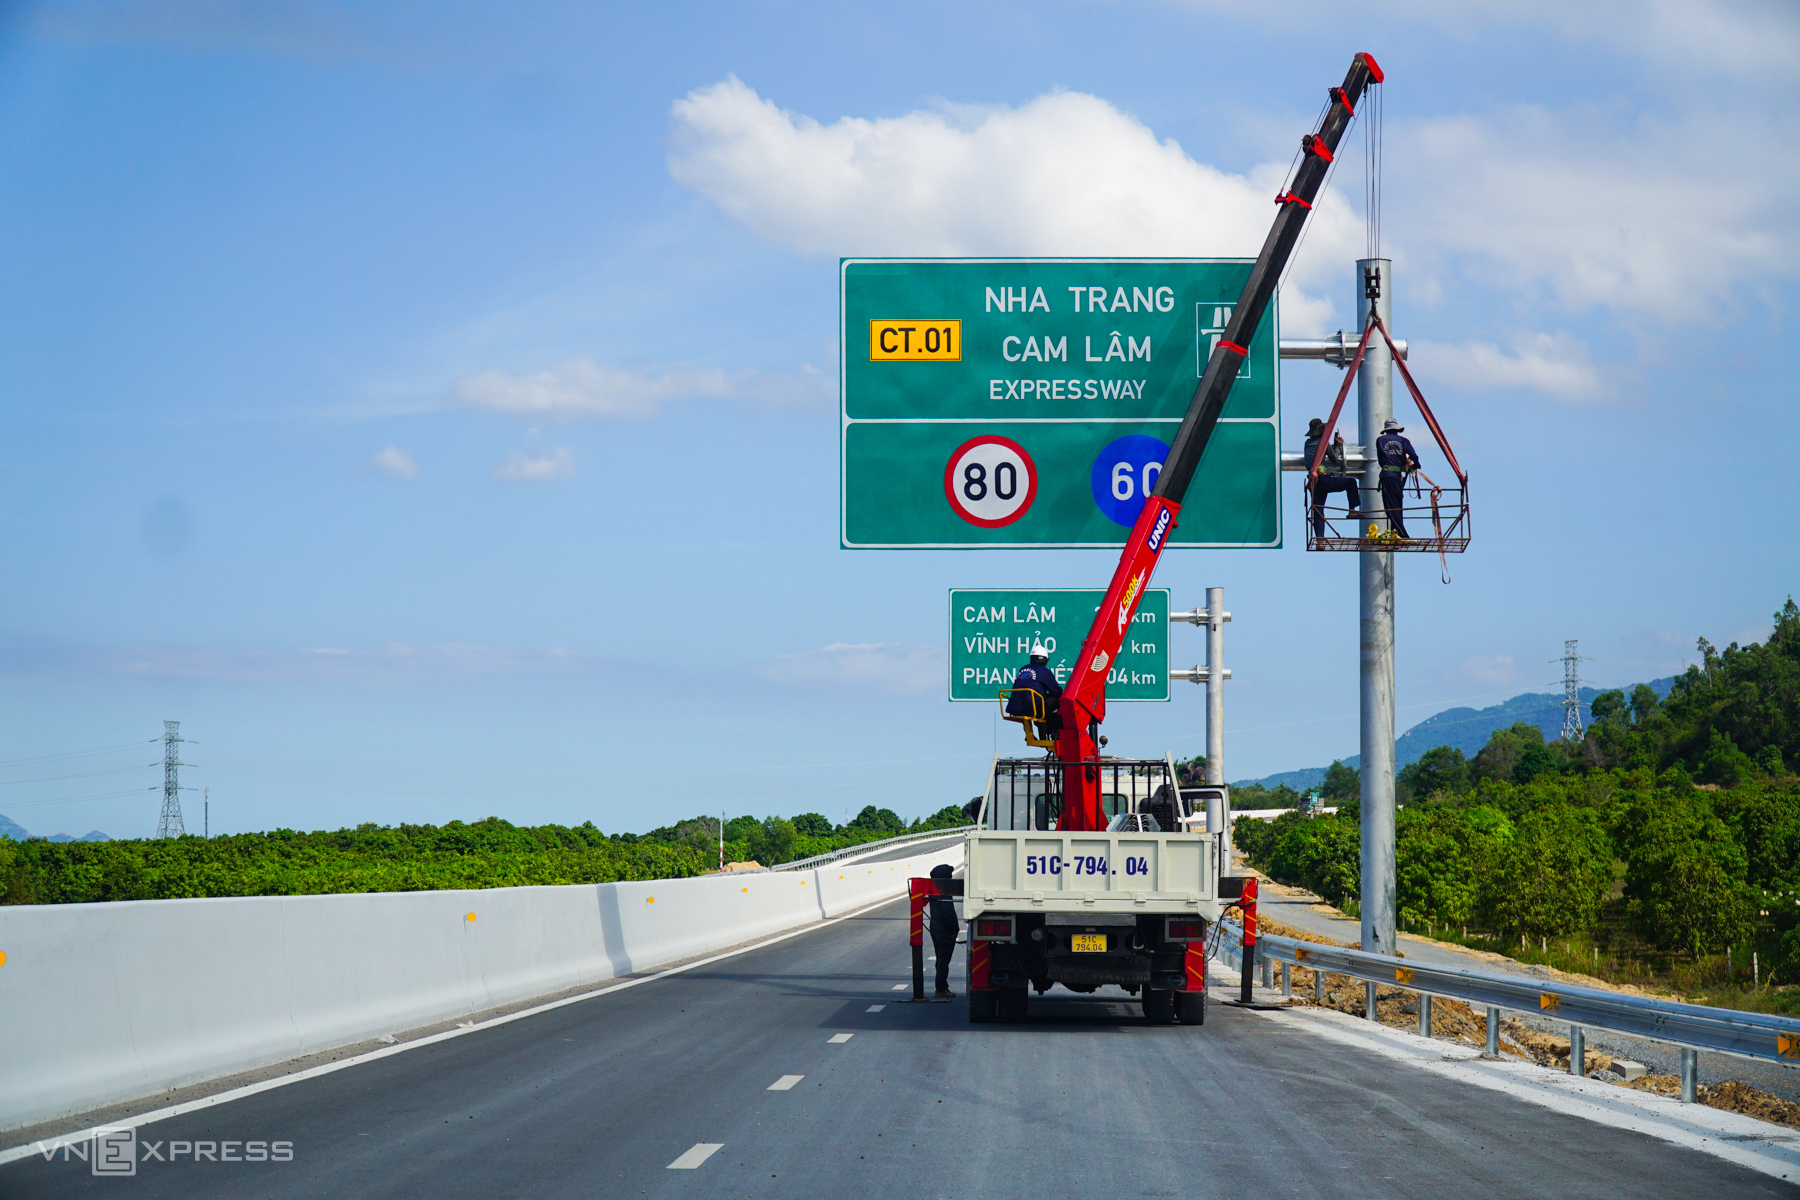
x,y
990,481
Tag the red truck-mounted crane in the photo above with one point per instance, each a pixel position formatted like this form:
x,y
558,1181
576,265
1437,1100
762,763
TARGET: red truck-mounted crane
x,y
1083,705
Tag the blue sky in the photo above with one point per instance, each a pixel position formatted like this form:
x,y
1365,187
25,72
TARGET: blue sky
x,y
433,407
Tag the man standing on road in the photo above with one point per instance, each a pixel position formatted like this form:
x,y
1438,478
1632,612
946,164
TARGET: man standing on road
x,y
1398,460
1332,475
944,928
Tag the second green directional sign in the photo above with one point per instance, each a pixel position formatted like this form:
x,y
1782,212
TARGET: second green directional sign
x,y
992,631
1031,402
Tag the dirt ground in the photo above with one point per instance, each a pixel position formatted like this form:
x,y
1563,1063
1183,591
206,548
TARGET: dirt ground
x,y
1454,1021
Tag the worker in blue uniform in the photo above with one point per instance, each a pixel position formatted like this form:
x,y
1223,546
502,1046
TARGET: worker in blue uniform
x,y
1398,460
1331,475
944,928
1036,694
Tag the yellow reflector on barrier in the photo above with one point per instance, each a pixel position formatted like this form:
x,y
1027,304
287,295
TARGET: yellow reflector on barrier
x,y
1786,1044
1546,1000
1402,975
470,917
1302,955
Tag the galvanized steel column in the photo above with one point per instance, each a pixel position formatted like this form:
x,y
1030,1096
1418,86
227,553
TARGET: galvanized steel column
x,y
1375,404
1215,711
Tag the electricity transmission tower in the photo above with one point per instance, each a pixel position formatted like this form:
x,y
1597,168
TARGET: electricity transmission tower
x,y
169,824
1571,661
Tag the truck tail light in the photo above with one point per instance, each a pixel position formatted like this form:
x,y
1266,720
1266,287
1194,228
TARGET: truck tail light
x,y
994,929
1184,929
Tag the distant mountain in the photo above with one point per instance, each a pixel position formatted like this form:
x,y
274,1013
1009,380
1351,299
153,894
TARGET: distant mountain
x,y
1467,729
15,831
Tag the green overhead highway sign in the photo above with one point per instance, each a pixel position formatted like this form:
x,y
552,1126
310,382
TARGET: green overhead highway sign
x,y
991,632
1030,402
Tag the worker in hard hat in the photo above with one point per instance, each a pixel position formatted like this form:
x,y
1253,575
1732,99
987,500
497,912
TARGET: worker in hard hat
x,y
1035,692
944,928
1398,460
1331,475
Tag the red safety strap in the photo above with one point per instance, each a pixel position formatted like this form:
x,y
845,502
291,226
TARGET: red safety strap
x,y
1424,408
1338,407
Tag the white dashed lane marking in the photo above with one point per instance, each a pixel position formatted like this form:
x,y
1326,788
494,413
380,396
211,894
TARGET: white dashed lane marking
x,y
838,1039
696,1154
785,1082
876,1007
901,987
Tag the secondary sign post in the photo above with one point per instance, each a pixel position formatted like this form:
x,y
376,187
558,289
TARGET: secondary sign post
x,y
1028,402
992,630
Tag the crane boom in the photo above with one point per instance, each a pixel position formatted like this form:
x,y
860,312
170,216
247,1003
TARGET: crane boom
x,y
1083,705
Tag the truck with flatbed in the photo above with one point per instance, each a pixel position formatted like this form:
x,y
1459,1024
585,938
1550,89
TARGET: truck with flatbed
x,y
1085,870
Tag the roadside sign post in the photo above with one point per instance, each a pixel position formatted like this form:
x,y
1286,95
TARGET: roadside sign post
x,y
1029,402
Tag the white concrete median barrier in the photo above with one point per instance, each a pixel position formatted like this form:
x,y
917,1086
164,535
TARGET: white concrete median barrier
x,y
112,1002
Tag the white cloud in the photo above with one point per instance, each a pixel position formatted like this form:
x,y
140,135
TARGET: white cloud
x,y
1555,364
581,387
885,667
1066,174
1593,208
396,462
520,467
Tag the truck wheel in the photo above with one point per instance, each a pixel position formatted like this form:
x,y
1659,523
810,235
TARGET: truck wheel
x,y
1190,1007
981,1007
1159,1006
1014,1003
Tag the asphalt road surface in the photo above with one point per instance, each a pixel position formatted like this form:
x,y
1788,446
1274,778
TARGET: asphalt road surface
x,y
771,1073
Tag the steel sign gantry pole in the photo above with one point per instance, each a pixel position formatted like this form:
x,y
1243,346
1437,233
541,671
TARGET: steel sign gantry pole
x,y
1375,405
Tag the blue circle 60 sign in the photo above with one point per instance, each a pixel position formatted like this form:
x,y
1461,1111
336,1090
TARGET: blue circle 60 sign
x,y
1125,473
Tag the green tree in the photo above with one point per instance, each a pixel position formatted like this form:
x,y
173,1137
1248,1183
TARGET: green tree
x,y
878,820
1506,750
1554,875
812,825
773,841
1442,769
1341,782
947,817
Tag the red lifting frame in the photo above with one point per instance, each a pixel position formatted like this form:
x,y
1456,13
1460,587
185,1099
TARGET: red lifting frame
x,y
1418,398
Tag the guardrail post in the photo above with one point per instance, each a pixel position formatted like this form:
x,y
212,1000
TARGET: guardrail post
x,y
1493,1032
1690,1068
1287,980
1318,986
1424,1015
1577,1052
1369,1002
1268,966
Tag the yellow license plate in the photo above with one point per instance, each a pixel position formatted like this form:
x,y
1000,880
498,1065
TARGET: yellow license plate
x,y
915,341
1093,943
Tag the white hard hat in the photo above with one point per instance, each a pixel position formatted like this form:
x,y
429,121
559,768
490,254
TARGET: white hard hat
x,y
1038,650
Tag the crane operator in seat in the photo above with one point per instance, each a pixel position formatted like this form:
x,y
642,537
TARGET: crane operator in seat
x,y
1035,693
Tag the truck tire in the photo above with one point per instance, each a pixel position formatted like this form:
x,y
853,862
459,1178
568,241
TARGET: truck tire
x,y
981,1007
1013,1004
1159,1006
1190,1007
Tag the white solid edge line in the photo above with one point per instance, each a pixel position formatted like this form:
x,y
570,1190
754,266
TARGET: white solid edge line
x,y
696,1154
251,1089
838,1039
1691,1126
785,1083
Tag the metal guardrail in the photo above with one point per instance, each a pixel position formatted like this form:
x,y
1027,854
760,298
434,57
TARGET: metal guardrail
x,y
861,848
1725,1030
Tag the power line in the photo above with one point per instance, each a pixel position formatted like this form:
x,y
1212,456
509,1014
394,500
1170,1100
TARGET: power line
x,y
77,775
20,762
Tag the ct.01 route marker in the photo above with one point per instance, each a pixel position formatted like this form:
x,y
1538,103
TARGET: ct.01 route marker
x,y
991,632
1029,402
